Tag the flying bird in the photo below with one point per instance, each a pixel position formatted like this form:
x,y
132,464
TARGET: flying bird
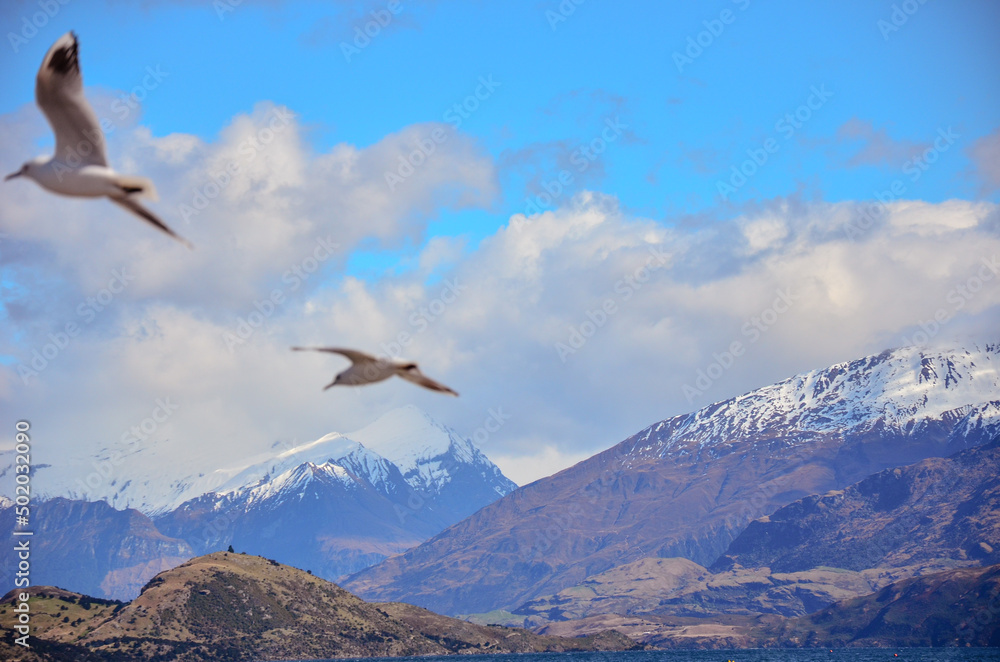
x,y
368,369
80,165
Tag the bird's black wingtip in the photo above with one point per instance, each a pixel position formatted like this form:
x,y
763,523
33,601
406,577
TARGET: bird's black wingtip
x,y
66,59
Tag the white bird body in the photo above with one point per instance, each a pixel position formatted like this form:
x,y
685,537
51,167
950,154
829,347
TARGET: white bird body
x,y
89,181
79,167
368,369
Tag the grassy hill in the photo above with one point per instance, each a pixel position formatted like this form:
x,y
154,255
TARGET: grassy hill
x,y
226,606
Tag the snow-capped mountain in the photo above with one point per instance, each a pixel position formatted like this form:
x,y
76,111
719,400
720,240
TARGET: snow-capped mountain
x,y
296,482
906,391
686,486
435,460
154,480
341,503
417,445
332,505
331,517
334,453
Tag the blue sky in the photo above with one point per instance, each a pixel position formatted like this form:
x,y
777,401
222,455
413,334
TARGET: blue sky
x,y
873,92
557,84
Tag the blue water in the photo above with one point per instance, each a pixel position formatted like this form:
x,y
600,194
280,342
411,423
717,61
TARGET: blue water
x,y
743,655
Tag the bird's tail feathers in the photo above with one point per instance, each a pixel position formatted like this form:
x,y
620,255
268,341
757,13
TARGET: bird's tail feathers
x,y
140,186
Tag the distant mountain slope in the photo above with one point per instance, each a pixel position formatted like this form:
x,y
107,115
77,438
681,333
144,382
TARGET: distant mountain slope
x,y
338,505
685,487
332,505
935,515
93,547
232,606
951,608
941,511
156,476
679,588
322,517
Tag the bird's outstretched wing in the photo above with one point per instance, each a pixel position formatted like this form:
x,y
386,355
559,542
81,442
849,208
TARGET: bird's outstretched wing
x,y
59,93
354,355
418,377
145,214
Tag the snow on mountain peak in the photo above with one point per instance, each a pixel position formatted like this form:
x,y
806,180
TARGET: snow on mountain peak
x,y
899,389
262,468
416,444
297,478
403,447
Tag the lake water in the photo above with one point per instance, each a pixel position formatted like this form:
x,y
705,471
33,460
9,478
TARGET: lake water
x,y
744,655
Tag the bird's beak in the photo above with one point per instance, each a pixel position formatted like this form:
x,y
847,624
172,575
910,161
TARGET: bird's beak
x,y
13,175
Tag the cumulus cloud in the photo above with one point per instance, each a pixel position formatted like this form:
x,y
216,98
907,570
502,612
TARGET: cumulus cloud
x,y
586,324
257,202
581,324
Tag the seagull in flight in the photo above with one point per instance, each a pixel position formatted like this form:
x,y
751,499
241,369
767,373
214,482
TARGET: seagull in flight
x,y
368,369
80,166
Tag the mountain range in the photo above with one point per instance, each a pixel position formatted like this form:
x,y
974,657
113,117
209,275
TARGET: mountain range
x,y
689,485
817,490
334,505
431,459
933,516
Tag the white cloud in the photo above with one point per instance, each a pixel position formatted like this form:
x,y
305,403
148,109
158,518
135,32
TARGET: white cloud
x,y
763,233
584,324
